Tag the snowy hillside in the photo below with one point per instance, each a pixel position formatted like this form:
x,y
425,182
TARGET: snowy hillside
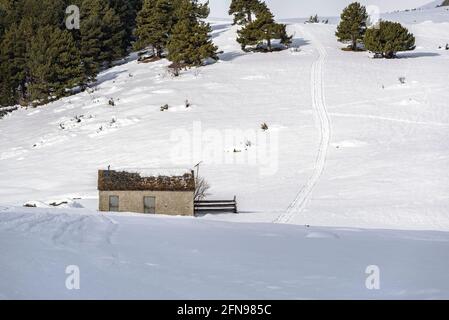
x,y
348,144
132,256
353,171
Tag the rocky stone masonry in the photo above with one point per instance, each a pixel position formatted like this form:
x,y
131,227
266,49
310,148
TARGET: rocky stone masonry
x,y
109,180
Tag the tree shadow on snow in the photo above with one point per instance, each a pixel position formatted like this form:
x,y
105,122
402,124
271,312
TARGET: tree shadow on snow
x,y
219,29
413,55
222,26
108,76
229,56
299,42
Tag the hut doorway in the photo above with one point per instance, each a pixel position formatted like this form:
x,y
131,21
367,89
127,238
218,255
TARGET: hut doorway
x,y
149,205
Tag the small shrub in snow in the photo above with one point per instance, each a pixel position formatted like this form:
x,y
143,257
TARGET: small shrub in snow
x,y
313,19
111,102
175,69
402,80
197,72
264,127
164,107
187,104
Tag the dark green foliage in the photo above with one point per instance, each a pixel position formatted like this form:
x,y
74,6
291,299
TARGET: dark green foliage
x,y
263,29
102,37
3,19
154,25
13,57
41,60
44,12
35,65
445,3
189,43
127,12
244,10
197,10
352,26
54,64
388,38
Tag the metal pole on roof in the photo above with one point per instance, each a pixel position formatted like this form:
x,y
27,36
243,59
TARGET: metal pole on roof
x,y
198,169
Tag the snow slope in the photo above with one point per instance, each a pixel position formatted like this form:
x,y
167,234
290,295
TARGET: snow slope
x,y
140,257
348,144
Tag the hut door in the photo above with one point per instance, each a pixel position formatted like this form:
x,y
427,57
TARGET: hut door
x,y
114,203
149,204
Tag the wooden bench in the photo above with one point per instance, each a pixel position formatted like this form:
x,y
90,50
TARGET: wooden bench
x,y
216,206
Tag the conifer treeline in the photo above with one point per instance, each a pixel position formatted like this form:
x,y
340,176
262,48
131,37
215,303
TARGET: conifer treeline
x,y
42,60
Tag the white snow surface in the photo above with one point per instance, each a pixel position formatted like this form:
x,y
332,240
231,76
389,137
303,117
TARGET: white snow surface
x,y
351,148
351,145
126,256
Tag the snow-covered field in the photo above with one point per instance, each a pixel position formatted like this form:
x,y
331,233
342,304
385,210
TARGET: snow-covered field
x,y
348,146
141,257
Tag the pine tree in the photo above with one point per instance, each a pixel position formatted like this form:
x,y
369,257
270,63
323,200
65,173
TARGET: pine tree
x,y
102,37
13,53
190,43
244,10
197,11
154,24
127,11
43,12
54,64
3,17
388,38
91,45
263,28
114,40
353,24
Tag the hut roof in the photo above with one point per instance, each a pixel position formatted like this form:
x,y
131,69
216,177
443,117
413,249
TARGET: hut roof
x,y
111,180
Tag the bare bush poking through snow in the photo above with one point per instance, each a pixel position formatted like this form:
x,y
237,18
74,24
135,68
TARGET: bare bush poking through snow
x,y
201,188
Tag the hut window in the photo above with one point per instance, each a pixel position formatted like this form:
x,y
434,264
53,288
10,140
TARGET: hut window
x,y
149,204
113,203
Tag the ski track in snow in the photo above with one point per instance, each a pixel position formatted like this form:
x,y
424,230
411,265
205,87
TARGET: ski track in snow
x,y
319,106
